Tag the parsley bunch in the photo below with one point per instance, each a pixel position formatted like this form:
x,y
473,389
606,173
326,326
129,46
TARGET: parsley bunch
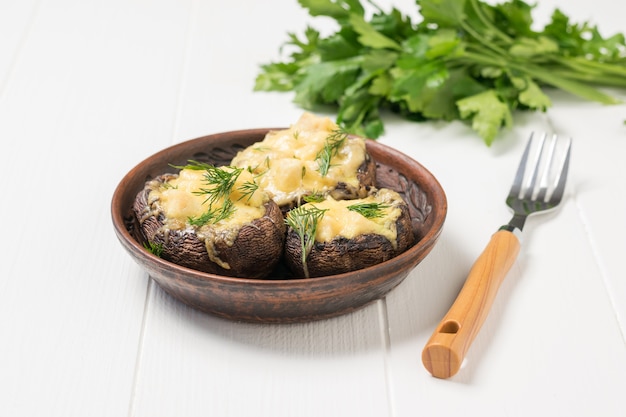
x,y
465,60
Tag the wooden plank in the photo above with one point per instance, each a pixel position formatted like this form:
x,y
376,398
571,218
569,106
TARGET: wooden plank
x,y
15,23
194,365
93,92
598,131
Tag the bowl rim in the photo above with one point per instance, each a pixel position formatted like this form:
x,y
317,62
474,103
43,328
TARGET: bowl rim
x,y
436,192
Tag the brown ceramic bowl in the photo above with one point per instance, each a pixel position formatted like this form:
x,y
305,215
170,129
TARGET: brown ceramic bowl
x,y
280,298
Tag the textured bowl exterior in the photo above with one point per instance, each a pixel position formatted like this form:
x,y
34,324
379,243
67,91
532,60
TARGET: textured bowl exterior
x,y
281,299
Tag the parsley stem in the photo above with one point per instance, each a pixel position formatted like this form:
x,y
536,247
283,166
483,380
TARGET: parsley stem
x,y
476,35
591,77
592,67
482,57
543,75
488,23
572,86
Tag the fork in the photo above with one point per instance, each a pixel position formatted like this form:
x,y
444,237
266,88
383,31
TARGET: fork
x,y
538,186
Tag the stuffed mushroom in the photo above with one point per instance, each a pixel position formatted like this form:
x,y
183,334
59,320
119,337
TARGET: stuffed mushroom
x,y
336,236
212,219
312,157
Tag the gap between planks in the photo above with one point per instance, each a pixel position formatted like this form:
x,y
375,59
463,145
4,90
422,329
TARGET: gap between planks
x,y
385,339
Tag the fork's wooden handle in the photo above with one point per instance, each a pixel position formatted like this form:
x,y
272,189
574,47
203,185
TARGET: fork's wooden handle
x,y
443,354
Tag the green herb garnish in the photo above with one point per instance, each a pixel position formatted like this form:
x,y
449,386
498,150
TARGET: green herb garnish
x,y
194,165
221,182
369,210
314,198
261,148
154,248
167,185
465,60
247,189
332,144
304,221
258,170
214,214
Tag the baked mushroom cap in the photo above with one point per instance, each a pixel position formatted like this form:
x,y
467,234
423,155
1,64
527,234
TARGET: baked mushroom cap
x,y
313,156
348,235
177,216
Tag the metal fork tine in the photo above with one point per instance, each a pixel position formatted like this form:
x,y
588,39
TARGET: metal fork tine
x,y
545,177
516,187
528,191
560,180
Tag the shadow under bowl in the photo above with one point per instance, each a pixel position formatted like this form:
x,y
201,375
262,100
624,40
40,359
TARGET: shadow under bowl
x,y
281,298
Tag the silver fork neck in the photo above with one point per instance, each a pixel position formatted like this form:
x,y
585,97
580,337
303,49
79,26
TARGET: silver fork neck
x,y
513,228
517,221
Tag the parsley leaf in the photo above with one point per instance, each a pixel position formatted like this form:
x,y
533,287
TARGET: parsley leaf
x,y
487,113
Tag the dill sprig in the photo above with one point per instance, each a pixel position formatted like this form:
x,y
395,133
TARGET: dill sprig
x,y
260,148
194,165
214,215
220,183
369,210
260,169
304,221
332,144
247,189
154,248
314,198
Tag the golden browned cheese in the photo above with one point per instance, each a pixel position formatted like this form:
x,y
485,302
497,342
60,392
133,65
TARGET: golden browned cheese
x,y
182,198
340,221
287,164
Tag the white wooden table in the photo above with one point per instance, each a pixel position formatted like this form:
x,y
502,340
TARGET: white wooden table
x,y
88,88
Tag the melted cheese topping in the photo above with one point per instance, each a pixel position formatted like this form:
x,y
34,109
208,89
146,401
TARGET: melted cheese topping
x,y
338,220
181,198
286,165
